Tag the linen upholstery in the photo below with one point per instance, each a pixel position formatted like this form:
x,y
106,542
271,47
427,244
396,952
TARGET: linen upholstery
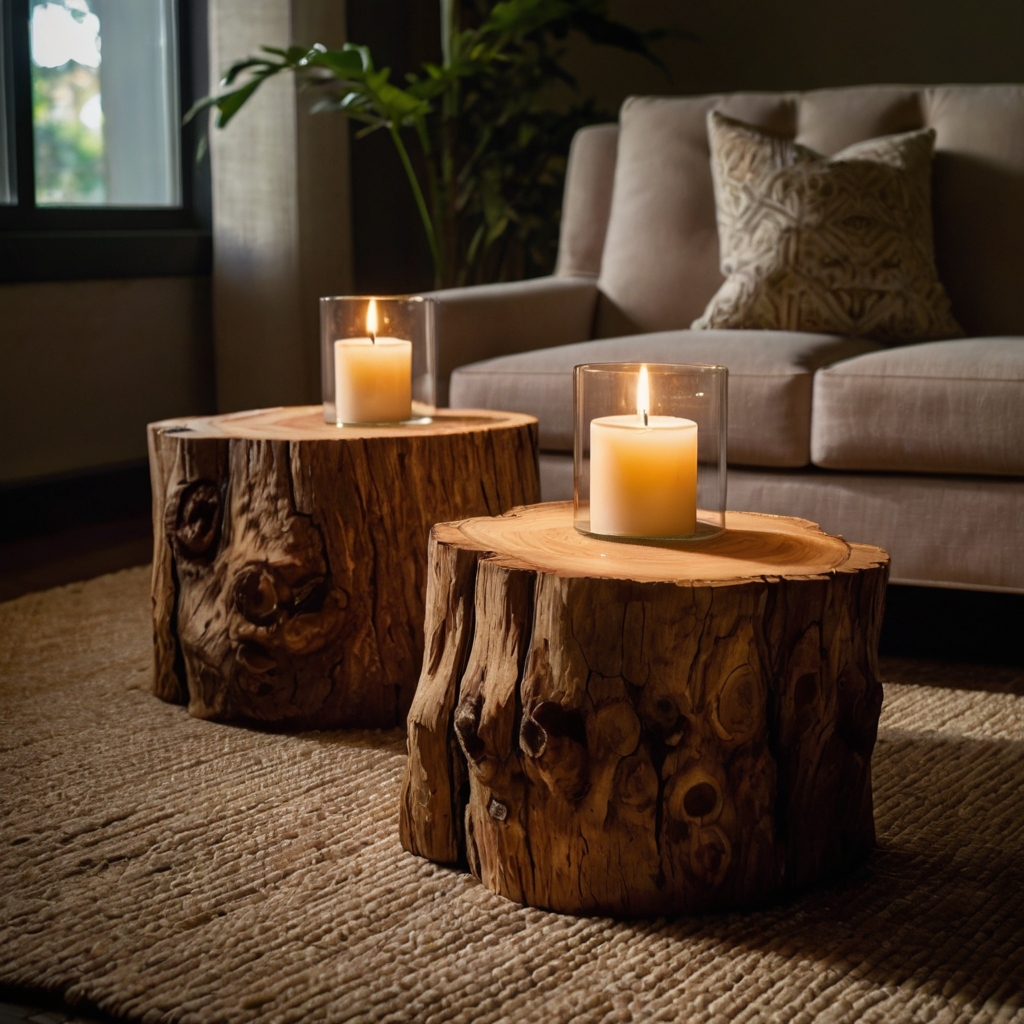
x,y
829,120
480,321
770,380
934,528
588,199
979,203
945,531
840,244
660,268
940,407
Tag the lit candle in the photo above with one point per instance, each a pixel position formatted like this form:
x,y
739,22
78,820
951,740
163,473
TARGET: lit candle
x,y
372,377
643,472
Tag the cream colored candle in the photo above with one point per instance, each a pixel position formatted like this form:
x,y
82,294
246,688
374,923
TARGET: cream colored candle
x,y
643,473
372,377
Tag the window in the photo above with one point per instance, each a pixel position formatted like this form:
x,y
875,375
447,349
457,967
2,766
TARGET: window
x,y
7,194
96,174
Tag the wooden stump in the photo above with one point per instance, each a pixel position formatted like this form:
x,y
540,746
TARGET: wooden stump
x,y
290,555
645,729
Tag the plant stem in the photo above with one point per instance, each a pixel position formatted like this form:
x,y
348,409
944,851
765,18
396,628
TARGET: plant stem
x,y
421,203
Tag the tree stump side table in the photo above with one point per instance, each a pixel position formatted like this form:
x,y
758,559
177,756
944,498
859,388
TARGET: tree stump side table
x,y
623,728
289,560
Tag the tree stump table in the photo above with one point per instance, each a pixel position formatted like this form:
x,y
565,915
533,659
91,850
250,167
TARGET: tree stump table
x,y
626,728
289,562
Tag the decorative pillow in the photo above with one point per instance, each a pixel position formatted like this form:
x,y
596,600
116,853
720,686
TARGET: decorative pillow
x,y
839,245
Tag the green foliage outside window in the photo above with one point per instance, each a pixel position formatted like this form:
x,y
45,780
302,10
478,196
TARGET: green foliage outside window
x,y
487,159
68,154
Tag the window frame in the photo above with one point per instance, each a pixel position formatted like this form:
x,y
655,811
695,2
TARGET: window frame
x,y
83,243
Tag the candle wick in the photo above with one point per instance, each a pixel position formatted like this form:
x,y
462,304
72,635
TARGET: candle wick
x,y
645,417
373,338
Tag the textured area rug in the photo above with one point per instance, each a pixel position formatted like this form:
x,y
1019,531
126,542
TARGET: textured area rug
x,y
167,869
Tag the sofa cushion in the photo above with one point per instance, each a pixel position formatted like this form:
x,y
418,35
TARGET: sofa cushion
x,y
938,407
840,244
659,266
770,379
588,198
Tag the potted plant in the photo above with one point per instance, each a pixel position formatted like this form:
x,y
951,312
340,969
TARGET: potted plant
x,y
483,152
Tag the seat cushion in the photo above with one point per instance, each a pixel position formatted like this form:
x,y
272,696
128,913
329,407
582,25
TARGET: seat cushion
x,y
938,407
770,381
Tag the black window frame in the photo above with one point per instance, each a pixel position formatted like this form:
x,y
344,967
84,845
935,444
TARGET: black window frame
x,y
88,243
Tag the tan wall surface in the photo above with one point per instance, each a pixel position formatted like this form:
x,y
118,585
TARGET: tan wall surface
x,y
806,44
87,364
280,211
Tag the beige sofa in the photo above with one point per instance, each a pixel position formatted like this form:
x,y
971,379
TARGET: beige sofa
x,y
918,448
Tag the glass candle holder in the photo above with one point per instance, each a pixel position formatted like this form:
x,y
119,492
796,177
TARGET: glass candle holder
x,y
377,359
650,450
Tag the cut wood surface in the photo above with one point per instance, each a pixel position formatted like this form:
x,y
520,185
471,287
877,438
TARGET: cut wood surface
x,y
290,555
645,728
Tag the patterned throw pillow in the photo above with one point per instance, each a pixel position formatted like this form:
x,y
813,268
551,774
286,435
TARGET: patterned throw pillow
x,y
839,245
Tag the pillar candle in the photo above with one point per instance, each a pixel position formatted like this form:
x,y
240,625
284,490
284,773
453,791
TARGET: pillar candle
x,y
372,377
643,473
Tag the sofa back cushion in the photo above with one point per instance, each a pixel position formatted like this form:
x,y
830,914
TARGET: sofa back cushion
x,y
660,261
589,174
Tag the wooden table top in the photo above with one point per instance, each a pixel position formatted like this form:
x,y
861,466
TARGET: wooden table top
x,y
306,423
543,538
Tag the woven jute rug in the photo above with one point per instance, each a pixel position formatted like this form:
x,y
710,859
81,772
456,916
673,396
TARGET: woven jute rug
x,y
163,868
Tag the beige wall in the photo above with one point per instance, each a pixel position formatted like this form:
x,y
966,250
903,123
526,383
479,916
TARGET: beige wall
x,y
87,364
280,211
805,44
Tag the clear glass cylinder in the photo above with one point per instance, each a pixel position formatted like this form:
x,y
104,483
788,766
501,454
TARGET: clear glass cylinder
x,y
649,458
377,359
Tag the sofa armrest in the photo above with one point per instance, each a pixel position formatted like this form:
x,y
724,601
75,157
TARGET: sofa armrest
x,y
491,320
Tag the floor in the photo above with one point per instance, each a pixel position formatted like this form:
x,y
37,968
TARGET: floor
x,y
976,641
77,553
44,1010
73,528
60,532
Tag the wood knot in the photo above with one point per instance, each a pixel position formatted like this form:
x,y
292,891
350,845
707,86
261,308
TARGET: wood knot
x,y
636,781
467,728
710,854
737,712
197,518
695,797
255,659
618,728
549,719
256,594
669,722
261,596
555,739
497,810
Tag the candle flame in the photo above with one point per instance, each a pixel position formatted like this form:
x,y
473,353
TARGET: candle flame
x,y
643,395
371,319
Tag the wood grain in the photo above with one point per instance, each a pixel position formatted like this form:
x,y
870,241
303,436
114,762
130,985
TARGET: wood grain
x,y
645,728
289,565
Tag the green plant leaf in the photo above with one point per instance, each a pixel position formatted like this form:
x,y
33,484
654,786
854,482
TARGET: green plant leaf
x,y
347,63
243,65
228,104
